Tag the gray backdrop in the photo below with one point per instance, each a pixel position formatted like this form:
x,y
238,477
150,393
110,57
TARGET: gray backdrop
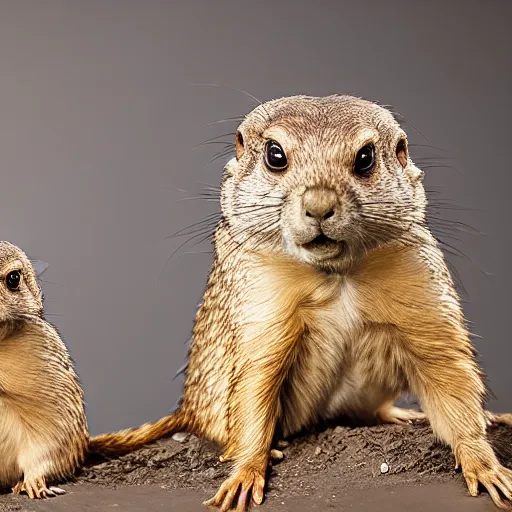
x,y
99,117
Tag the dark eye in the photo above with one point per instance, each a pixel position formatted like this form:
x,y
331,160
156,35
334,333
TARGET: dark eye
x,y
365,161
275,157
13,280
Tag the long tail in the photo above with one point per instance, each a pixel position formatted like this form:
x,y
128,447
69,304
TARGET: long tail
x,y
120,443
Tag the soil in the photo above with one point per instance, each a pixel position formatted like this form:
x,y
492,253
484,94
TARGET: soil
x,y
328,469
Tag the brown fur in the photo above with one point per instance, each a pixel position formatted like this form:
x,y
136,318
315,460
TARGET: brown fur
x,y
290,332
43,428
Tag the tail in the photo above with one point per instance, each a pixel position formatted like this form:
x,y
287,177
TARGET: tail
x,y
120,443
499,419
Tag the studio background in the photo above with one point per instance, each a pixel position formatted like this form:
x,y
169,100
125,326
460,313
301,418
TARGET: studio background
x,y
99,115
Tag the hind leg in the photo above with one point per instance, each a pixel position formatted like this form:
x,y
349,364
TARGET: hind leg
x,y
388,413
500,419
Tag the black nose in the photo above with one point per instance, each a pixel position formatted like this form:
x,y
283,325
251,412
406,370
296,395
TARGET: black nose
x,y
319,214
319,203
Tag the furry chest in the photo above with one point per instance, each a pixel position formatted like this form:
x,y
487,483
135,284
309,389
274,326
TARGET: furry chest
x,y
323,360
345,365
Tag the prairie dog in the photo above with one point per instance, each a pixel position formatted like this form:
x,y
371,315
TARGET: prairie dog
x,y
328,295
43,428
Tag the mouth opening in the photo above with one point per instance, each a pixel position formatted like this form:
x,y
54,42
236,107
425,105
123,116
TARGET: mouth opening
x,y
321,242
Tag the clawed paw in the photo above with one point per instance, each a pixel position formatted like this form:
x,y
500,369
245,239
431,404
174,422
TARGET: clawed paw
x,y
244,483
496,480
399,416
36,489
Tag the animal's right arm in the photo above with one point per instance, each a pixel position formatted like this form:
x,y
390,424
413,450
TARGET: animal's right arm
x,y
253,410
270,332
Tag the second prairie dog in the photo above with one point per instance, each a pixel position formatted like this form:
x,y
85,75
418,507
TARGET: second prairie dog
x,y
328,295
43,428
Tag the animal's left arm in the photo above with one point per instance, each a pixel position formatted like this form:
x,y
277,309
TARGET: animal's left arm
x,y
439,363
443,374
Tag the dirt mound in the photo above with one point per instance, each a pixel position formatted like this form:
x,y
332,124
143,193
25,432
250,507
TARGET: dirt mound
x,y
357,457
326,468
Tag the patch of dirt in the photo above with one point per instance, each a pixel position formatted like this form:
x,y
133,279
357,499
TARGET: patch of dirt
x,y
353,456
322,464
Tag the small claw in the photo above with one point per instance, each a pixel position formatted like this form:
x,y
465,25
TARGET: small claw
x,y
257,490
504,483
472,486
40,493
228,499
494,495
213,502
257,497
504,488
30,492
48,493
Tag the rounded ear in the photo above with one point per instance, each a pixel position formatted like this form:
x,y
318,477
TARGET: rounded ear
x,y
402,154
239,143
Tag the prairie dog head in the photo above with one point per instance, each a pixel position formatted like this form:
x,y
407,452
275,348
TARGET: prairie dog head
x,y
19,292
323,179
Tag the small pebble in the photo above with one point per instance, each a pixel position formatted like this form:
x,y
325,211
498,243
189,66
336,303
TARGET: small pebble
x,y
318,450
384,468
180,436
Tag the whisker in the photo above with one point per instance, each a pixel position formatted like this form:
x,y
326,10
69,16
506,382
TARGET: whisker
x,y
209,218
237,119
210,234
233,89
213,139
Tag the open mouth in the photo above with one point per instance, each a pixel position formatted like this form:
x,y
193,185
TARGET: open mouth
x,y
323,243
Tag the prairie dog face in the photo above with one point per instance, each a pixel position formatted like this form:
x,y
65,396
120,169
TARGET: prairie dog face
x,y
19,292
323,179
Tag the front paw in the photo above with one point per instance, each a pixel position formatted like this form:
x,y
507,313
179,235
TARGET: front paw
x,y
486,470
248,481
37,489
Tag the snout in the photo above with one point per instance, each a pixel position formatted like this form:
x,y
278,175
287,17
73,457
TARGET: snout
x,y
317,225
319,205
318,221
